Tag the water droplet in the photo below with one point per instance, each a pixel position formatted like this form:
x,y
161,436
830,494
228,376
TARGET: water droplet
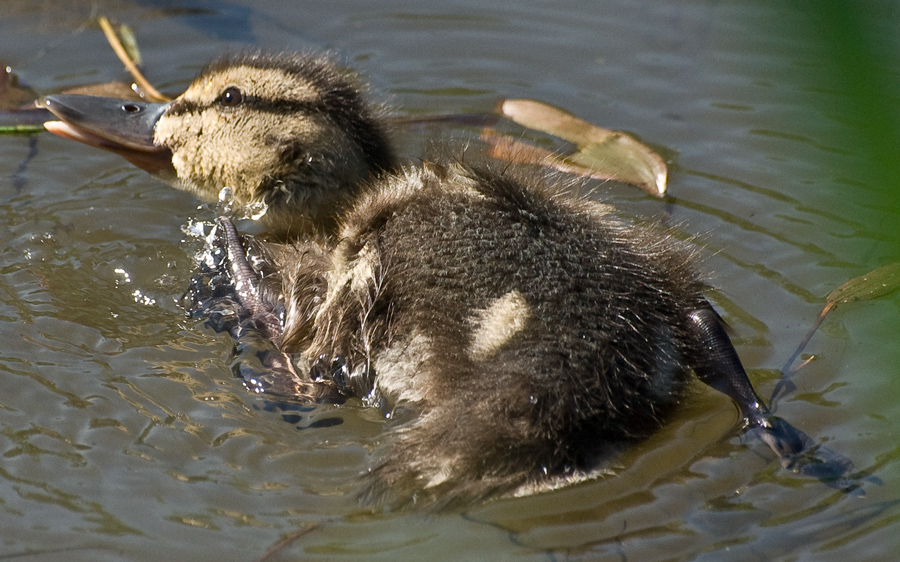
x,y
196,228
141,298
226,195
126,278
256,210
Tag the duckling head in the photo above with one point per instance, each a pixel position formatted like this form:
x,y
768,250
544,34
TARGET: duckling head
x,y
289,135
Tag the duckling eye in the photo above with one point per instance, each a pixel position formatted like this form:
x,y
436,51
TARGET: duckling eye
x,y
231,97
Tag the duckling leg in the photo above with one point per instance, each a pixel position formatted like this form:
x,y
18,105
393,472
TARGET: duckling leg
x,y
280,378
246,284
716,363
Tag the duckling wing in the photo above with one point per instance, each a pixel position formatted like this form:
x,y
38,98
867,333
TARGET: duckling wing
x,y
518,334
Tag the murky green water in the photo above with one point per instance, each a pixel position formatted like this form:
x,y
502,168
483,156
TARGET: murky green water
x,y
125,436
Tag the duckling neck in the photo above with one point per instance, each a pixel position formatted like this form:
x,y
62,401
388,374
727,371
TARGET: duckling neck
x,y
306,210
306,194
285,224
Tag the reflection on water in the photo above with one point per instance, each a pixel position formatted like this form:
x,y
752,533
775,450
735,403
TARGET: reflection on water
x,y
124,433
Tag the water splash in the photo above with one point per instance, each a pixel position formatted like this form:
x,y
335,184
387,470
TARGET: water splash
x,y
226,198
141,298
256,210
125,276
228,205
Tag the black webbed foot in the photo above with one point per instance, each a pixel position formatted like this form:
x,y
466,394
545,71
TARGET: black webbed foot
x,y
798,453
716,363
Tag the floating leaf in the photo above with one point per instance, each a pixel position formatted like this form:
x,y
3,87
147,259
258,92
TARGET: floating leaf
x,y
544,117
624,159
602,153
511,150
874,284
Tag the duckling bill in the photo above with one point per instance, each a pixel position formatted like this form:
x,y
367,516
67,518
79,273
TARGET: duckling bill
x,y
120,126
518,335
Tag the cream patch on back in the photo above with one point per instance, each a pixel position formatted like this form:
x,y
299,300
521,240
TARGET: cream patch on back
x,y
495,325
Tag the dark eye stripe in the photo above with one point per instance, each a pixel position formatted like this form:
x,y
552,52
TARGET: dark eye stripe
x,y
282,106
182,107
256,103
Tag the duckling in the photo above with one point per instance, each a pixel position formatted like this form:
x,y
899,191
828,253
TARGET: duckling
x,y
517,336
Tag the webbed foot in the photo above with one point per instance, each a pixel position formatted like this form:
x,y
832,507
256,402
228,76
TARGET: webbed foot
x,y
798,453
247,284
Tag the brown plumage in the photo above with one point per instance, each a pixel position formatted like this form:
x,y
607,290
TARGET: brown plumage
x,y
523,334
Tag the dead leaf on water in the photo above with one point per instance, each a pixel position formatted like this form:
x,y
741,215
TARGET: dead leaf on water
x,y
602,153
544,117
511,150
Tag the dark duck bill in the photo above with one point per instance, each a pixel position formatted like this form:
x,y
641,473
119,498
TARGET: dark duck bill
x,y
120,126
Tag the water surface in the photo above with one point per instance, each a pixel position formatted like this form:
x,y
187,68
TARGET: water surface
x,y
124,434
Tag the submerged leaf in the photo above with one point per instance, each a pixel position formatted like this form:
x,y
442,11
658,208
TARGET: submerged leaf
x,y
872,285
602,153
